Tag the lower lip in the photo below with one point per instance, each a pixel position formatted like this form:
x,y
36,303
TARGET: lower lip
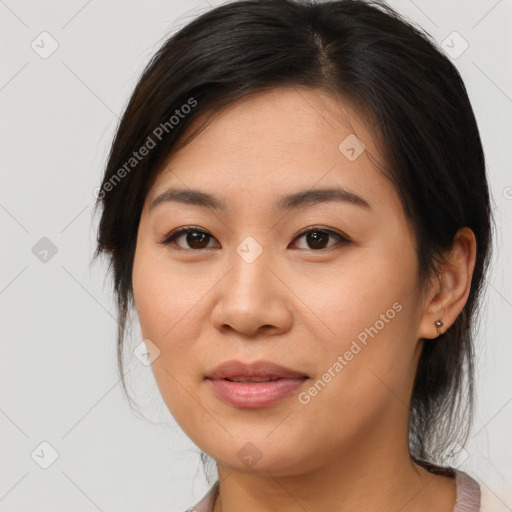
x,y
252,395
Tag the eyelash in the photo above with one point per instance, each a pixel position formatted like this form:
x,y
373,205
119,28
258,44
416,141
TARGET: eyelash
x,y
171,237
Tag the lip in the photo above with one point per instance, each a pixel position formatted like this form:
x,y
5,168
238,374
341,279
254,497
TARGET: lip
x,y
237,369
254,395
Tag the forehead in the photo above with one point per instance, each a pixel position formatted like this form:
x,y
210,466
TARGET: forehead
x,y
276,142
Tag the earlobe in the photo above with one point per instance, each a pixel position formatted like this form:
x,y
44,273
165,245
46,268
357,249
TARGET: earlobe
x,y
449,297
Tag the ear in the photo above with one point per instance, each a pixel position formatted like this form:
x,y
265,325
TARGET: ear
x,y
450,290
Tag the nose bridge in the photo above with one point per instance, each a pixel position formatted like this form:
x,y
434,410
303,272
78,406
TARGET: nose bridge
x,y
251,297
250,270
250,250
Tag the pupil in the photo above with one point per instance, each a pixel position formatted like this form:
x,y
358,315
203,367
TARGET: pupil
x,y
195,238
314,236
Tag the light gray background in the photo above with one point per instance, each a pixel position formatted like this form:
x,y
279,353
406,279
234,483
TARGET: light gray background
x,y
57,365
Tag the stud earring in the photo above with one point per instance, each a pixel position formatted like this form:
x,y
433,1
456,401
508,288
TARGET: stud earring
x,y
439,325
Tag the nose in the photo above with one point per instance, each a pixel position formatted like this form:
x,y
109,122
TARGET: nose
x,y
252,299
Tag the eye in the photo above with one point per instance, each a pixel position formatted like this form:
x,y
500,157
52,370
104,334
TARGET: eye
x,y
197,239
193,236
317,238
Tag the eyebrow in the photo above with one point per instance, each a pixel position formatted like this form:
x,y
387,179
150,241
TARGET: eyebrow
x,y
300,199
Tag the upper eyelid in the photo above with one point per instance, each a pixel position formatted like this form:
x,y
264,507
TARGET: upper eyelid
x,y
320,228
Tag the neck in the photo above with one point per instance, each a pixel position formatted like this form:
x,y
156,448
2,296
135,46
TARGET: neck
x,y
378,476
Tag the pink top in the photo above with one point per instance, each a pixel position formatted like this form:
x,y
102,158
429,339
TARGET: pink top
x,y
468,493
468,496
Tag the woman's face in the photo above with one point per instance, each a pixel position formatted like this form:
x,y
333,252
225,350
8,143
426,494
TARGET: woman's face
x,y
339,306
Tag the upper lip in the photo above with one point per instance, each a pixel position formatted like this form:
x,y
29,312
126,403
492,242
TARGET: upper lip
x,y
234,369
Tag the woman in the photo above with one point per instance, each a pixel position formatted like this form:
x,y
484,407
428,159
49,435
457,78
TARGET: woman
x,y
296,205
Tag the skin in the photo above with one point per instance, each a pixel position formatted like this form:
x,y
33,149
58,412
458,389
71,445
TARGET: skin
x,y
296,305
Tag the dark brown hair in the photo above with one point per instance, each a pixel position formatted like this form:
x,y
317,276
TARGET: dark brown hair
x,y
401,84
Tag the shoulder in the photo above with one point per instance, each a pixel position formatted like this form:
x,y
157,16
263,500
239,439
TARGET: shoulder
x,y
490,502
205,504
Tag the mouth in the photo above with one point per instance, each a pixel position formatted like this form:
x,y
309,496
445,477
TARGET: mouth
x,y
255,385
260,371
253,379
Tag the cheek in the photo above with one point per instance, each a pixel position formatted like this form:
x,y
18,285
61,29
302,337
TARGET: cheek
x,y
368,314
364,373
171,314
162,307
162,294
363,292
